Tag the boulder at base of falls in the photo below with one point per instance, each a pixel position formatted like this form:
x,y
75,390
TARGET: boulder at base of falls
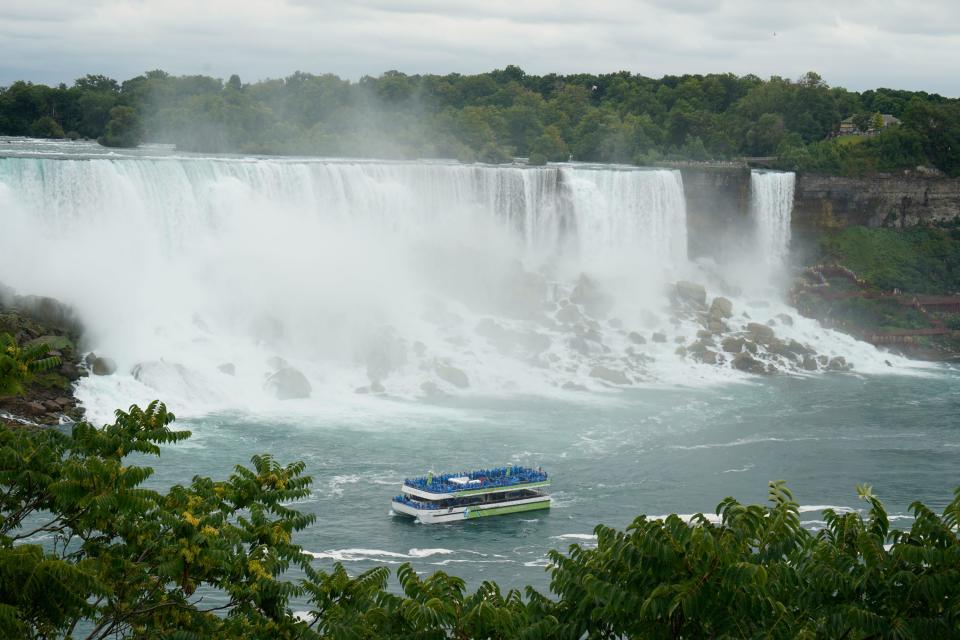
x,y
592,297
839,364
732,344
690,293
659,337
451,374
288,384
103,366
743,361
613,376
227,368
636,338
707,357
573,386
760,332
721,308
809,363
785,319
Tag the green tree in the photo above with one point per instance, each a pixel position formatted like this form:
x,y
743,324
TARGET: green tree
x,y
124,128
20,364
46,127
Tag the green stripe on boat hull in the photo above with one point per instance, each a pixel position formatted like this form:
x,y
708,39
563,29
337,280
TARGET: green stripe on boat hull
x,y
497,511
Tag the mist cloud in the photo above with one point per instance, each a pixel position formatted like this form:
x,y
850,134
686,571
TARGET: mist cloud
x,y
858,45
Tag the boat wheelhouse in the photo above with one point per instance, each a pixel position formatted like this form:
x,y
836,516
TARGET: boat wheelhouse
x,y
474,494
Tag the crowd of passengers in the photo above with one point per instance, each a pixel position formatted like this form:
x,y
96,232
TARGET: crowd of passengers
x,y
496,477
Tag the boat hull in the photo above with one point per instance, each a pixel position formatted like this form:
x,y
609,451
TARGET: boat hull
x,y
459,514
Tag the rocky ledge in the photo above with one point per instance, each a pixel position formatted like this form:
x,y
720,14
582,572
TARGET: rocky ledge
x,y
49,398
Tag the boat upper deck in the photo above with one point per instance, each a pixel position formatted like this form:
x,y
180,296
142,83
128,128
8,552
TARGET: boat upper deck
x,y
475,482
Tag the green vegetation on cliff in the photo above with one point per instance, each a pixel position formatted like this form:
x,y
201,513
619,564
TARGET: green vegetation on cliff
x,y
88,551
916,260
616,117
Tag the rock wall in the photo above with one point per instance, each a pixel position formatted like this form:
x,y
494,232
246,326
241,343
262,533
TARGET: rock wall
x,y
718,209
826,202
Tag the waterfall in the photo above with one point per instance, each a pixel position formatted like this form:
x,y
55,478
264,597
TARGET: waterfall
x,y
176,199
772,204
365,275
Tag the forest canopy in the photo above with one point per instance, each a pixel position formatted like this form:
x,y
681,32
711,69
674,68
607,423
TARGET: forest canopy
x,y
506,113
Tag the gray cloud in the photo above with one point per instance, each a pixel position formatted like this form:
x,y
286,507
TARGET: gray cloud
x,y
857,44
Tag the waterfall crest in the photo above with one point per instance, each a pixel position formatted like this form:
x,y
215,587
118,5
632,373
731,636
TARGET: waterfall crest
x,y
771,204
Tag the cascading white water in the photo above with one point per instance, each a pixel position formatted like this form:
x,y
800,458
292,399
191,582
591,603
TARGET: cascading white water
x,y
418,276
772,203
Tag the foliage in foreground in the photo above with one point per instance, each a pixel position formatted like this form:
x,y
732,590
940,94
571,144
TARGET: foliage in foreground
x,y
87,551
19,364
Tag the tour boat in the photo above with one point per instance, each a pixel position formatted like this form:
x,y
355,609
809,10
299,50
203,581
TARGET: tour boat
x,y
452,497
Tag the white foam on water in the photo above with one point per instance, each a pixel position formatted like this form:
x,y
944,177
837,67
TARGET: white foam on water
x,y
376,555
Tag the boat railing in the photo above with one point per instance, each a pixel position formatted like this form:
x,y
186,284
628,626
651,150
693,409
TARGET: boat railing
x,y
416,504
479,479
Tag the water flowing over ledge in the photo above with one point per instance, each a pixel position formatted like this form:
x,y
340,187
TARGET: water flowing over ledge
x,y
219,282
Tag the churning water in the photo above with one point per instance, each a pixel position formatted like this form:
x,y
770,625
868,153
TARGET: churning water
x,y
446,316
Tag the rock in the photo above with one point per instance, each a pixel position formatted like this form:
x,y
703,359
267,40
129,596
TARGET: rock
x,y
103,367
377,387
760,332
228,368
35,408
823,360
721,308
288,383
430,388
587,333
691,293
362,390
63,401
569,314
679,339
419,348
743,361
276,363
732,344
613,376
449,373
592,297
573,386
838,363
51,405
659,337
681,351
636,338
89,359
716,326
708,357
54,343
580,345
785,319
70,372
705,335
809,363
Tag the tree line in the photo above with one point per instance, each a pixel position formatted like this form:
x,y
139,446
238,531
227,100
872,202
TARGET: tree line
x,y
506,113
88,550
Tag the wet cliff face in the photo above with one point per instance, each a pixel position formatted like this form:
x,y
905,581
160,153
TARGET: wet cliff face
x,y
718,211
825,202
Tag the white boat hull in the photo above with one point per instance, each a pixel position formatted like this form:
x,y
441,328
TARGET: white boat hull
x,y
457,514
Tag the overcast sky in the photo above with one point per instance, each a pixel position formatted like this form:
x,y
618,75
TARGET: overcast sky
x,y
851,43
